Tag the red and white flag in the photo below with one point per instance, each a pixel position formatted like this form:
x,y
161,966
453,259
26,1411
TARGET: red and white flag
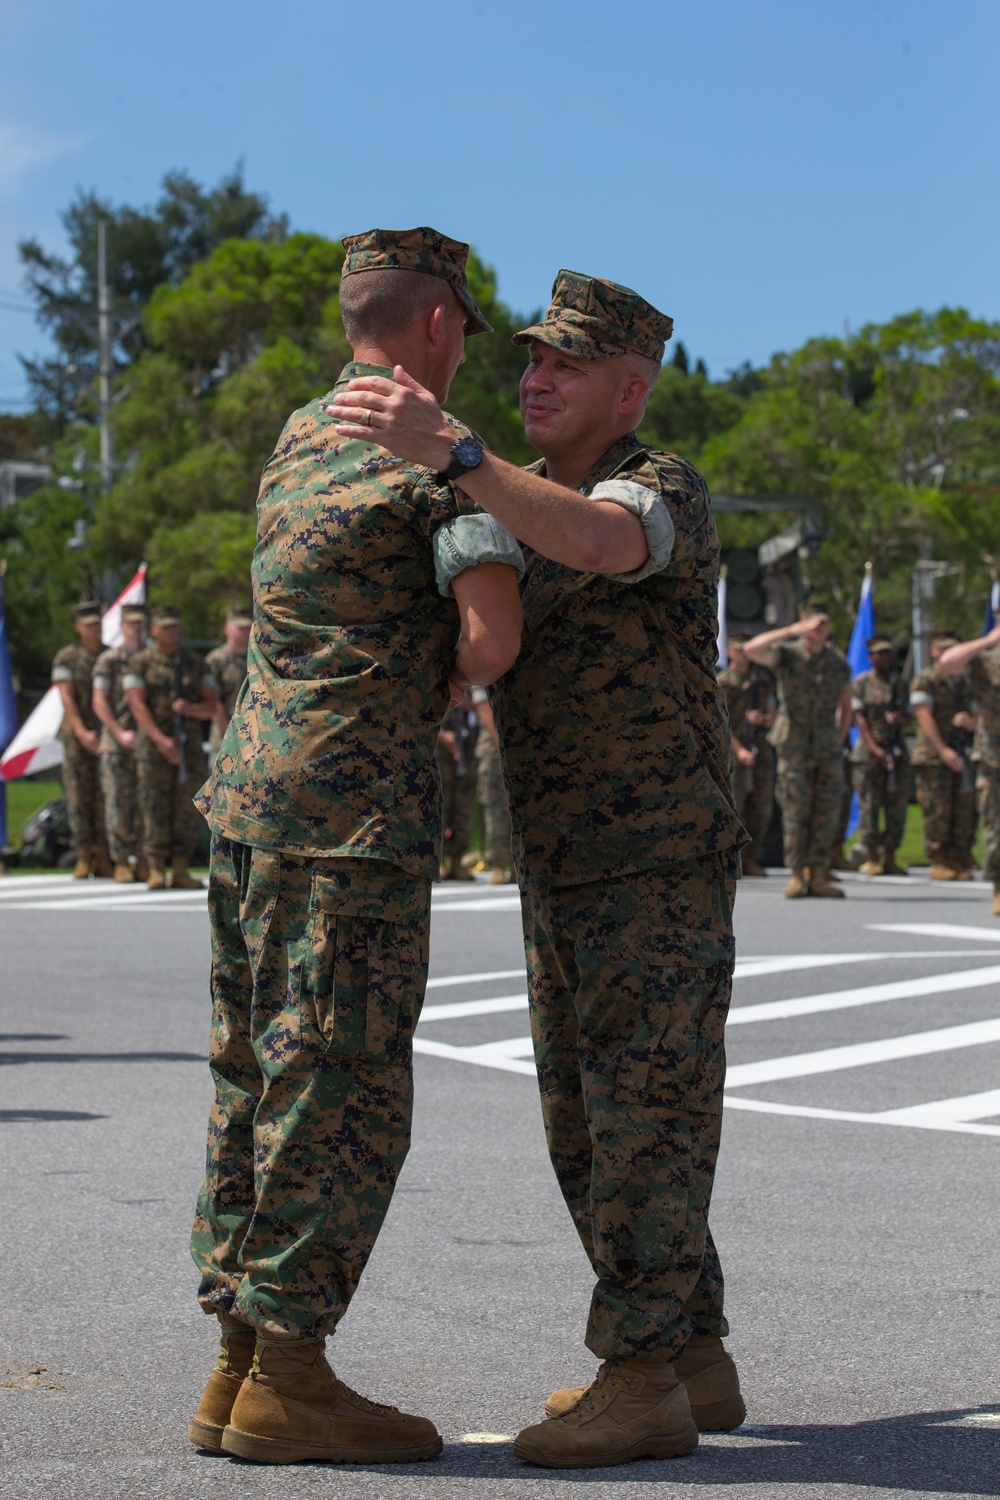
x,y
35,746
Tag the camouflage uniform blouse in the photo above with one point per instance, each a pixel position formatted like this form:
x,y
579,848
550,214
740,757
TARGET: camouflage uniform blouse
x,y
153,670
229,668
809,688
939,692
872,694
984,682
75,664
737,690
616,743
109,674
330,751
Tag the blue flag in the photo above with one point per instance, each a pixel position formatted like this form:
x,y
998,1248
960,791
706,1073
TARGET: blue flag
x,y
859,661
8,709
992,605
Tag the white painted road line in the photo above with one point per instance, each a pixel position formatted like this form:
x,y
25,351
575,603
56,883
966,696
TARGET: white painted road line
x,y
453,979
965,1107
938,929
851,1116
507,1056
461,1008
489,903
861,1054
872,994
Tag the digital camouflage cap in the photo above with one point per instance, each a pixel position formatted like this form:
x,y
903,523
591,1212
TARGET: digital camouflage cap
x,y
416,250
86,611
591,318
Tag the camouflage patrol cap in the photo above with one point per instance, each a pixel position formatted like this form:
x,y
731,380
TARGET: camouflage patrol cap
x,y
594,319
239,614
416,250
878,643
944,638
166,614
86,610
134,612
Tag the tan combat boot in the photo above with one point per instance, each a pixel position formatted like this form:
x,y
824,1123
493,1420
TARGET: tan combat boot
x,y
820,883
996,898
944,872
636,1408
840,860
712,1381
751,867
103,868
81,870
142,868
236,1351
499,875
889,865
123,873
180,880
156,880
292,1409
872,865
797,886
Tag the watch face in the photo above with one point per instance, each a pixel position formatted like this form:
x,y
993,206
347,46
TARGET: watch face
x,y
468,452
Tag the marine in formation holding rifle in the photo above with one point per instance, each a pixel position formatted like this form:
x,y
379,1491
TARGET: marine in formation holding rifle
x,y
122,813
750,697
981,658
171,694
879,760
942,767
72,673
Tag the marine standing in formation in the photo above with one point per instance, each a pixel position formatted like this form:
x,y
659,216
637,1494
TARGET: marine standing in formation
x,y
377,599
750,698
491,792
457,767
228,665
880,761
981,659
616,750
122,814
941,761
171,694
73,672
811,725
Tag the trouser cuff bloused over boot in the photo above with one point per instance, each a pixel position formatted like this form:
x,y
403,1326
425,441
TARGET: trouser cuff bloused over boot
x,y
629,985
318,976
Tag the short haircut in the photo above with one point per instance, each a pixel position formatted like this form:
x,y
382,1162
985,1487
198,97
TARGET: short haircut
x,y
384,304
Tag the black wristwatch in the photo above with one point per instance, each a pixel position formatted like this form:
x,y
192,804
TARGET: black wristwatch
x,y
466,454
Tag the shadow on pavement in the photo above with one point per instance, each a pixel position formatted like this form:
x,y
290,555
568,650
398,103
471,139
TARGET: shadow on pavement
x,y
16,1116
9,1059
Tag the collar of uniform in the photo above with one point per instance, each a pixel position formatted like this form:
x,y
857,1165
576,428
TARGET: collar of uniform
x,y
606,465
356,369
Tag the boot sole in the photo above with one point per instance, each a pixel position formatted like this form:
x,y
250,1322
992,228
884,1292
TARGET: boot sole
x,y
203,1436
264,1450
720,1416
672,1445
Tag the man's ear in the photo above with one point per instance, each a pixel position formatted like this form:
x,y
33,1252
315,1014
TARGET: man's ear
x,y
634,392
435,324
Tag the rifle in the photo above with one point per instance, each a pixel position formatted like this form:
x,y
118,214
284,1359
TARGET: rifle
x,y
963,740
895,746
180,731
465,740
749,736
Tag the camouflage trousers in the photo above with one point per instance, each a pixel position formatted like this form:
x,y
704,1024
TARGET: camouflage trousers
x,y
755,804
459,797
169,818
121,803
871,782
949,814
84,803
318,976
810,792
988,803
629,982
493,800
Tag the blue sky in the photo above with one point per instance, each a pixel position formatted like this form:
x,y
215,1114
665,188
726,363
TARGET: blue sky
x,y
762,172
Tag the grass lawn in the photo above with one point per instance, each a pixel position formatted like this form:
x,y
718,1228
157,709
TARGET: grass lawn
x,y
23,798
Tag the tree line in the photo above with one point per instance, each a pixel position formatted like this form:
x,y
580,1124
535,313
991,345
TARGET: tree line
x,y
227,320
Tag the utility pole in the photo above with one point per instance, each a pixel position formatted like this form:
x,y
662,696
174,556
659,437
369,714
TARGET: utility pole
x,y
105,345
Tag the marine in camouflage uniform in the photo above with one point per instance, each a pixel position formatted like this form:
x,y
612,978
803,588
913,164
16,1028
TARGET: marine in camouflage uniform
x,y
228,665
945,782
746,684
491,792
72,672
457,767
117,757
167,788
880,763
982,658
617,756
813,680
325,810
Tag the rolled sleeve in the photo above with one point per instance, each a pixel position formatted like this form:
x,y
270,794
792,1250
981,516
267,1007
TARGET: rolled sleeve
x,y
133,680
858,705
920,697
467,541
102,682
656,519
210,681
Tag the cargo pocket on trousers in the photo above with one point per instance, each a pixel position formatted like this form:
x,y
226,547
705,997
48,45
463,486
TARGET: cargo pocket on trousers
x,y
676,1058
359,983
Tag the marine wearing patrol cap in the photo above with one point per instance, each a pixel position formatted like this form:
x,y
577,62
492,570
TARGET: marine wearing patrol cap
x,y
595,319
166,614
88,609
239,614
422,250
134,612
878,643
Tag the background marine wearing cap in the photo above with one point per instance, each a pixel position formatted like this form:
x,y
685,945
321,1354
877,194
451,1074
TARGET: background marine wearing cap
x,y
879,759
122,812
617,757
941,764
72,672
980,658
228,666
373,586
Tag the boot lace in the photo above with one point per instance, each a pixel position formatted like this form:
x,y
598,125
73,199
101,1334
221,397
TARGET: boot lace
x,y
375,1407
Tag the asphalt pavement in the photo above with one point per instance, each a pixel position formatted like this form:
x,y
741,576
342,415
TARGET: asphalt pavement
x,y
855,1209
